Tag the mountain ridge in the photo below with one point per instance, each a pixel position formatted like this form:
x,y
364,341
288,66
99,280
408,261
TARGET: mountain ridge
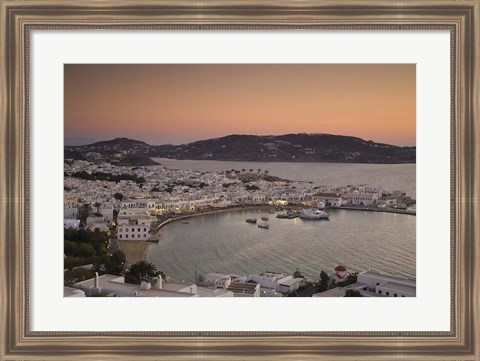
x,y
295,147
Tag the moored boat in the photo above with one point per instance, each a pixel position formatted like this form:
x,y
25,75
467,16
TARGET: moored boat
x,y
264,225
251,220
314,214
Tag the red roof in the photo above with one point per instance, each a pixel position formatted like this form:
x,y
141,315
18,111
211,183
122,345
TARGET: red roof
x,y
340,269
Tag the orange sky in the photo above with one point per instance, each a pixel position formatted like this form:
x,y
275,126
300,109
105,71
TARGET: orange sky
x,y
180,103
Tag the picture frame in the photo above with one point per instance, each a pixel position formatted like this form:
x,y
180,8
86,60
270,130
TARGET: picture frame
x,y
461,18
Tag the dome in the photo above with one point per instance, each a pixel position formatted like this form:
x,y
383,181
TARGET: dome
x,y
340,268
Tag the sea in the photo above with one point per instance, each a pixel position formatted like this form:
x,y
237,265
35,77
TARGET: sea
x,y
225,243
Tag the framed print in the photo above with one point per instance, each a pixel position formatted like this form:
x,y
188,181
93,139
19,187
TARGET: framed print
x,y
230,174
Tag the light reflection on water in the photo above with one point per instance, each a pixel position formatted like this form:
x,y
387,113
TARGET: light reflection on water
x,y
225,243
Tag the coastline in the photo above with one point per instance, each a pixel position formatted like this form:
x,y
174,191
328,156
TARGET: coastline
x,y
136,250
266,206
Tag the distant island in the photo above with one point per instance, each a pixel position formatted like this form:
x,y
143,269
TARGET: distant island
x,y
300,147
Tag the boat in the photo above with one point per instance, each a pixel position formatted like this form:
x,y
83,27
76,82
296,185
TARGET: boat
x,y
291,215
264,218
251,220
264,225
314,214
185,222
282,215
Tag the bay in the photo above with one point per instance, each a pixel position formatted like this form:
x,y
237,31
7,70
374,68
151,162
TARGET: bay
x,y
225,243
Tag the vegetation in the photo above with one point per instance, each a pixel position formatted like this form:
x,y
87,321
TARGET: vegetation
x,y
118,196
351,279
108,177
77,275
84,246
251,187
270,178
142,271
322,284
298,274
85,211
353,293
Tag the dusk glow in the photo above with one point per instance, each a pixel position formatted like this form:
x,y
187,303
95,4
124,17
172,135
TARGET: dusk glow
x,y
181,103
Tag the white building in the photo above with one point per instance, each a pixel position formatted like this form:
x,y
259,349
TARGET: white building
x,y
268,283
111,285
244,289
288,284
366,199
70,213
71,223
329,199
133,227
386,285
107,213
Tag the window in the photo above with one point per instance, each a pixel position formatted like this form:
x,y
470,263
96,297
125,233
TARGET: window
x,y
126,236
139,229
394,295
126,229
138,236
144,229
378,283
403,295
379,292
388,293
120,236
145,236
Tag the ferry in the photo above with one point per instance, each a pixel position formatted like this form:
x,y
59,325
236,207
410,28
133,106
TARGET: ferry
x,y
314,214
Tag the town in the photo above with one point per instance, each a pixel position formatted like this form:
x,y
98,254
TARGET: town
x,y
111,204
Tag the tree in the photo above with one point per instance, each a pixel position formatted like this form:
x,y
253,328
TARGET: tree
x,y
97,206
85,212
140,271
298,274
353,293
115,264
322,284
118,196
86,250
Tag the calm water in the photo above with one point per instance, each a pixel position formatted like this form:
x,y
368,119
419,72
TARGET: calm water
x,y
225,243
390,176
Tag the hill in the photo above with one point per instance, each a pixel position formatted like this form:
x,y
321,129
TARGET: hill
x,y
283,148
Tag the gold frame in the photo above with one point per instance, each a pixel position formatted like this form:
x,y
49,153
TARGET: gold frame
x,y
18,17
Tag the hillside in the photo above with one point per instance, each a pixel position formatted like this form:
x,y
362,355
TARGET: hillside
x,y
284,148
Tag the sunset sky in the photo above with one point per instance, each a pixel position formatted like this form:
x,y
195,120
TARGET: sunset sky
x,y
181,103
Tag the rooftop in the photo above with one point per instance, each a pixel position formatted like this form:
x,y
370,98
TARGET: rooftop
x,y
242,287
398,287
114,283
